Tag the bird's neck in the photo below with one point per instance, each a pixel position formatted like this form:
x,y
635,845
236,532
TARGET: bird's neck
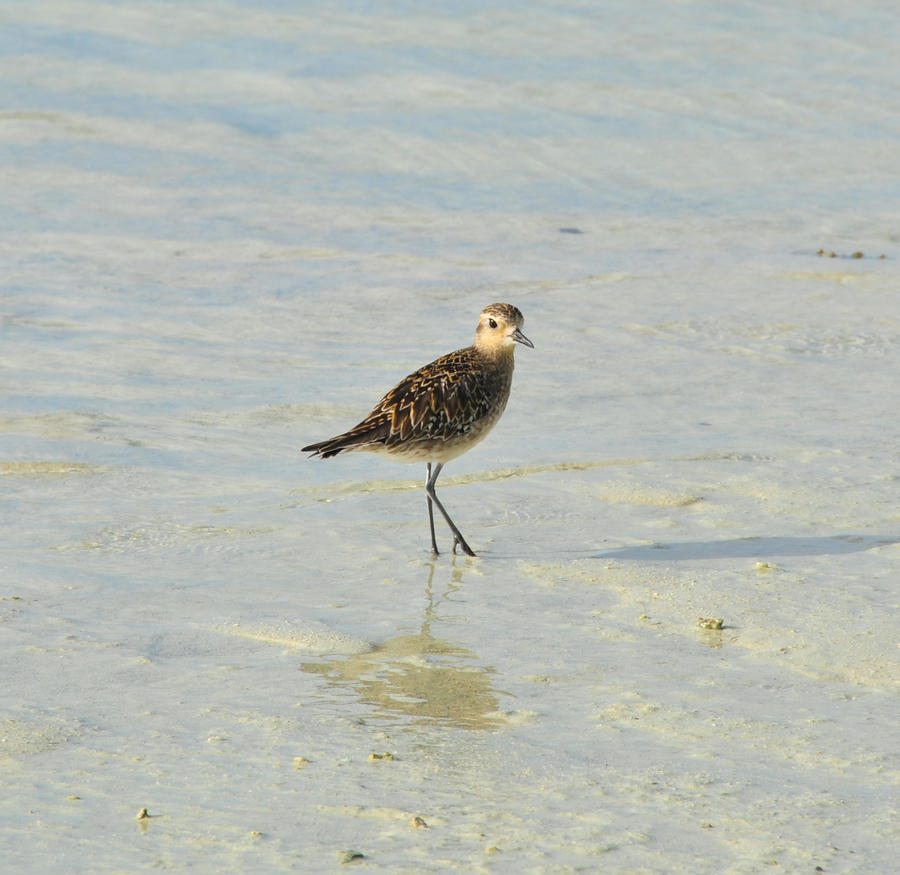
x,y
500,356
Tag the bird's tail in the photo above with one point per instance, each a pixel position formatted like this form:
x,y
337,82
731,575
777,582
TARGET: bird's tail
x,y
328,448
358,438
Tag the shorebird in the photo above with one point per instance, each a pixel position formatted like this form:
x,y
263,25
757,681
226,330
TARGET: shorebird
x,y
443,409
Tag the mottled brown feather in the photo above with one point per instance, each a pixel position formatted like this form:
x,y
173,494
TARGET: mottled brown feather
x,y
439,402
441,409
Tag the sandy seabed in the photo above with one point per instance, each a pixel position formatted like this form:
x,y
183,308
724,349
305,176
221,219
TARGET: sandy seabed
x,y
230,227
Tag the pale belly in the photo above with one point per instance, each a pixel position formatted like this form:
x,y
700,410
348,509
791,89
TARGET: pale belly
x,y
441,450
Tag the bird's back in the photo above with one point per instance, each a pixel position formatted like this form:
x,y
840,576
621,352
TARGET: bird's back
x,y
436,413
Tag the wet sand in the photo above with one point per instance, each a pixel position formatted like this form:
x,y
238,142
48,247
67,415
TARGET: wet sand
x,y
230,229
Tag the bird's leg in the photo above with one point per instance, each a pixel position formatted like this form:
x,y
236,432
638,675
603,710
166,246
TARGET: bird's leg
x,y
434,548
432,497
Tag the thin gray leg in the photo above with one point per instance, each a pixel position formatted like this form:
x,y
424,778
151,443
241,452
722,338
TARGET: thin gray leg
x,y
434,548
432,497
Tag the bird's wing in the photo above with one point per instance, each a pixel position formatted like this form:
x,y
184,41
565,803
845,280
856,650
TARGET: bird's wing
x,y
429,403
433,403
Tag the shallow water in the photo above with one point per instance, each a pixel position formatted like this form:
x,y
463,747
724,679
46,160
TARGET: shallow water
x,y
229,228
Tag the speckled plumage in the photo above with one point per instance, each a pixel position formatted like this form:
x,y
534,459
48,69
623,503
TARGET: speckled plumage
x,y
444,408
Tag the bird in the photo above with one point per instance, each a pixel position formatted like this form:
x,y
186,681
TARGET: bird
x,y
443,409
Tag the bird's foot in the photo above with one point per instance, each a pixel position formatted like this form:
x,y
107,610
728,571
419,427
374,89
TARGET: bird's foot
x,y
463,545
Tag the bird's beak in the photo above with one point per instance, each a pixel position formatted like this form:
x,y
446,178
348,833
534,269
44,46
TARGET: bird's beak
x,y
518,337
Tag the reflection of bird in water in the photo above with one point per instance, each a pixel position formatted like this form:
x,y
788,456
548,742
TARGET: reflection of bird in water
x,y
443,409
420,676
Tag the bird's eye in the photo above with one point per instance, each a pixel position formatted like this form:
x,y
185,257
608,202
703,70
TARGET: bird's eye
x,y
492,323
